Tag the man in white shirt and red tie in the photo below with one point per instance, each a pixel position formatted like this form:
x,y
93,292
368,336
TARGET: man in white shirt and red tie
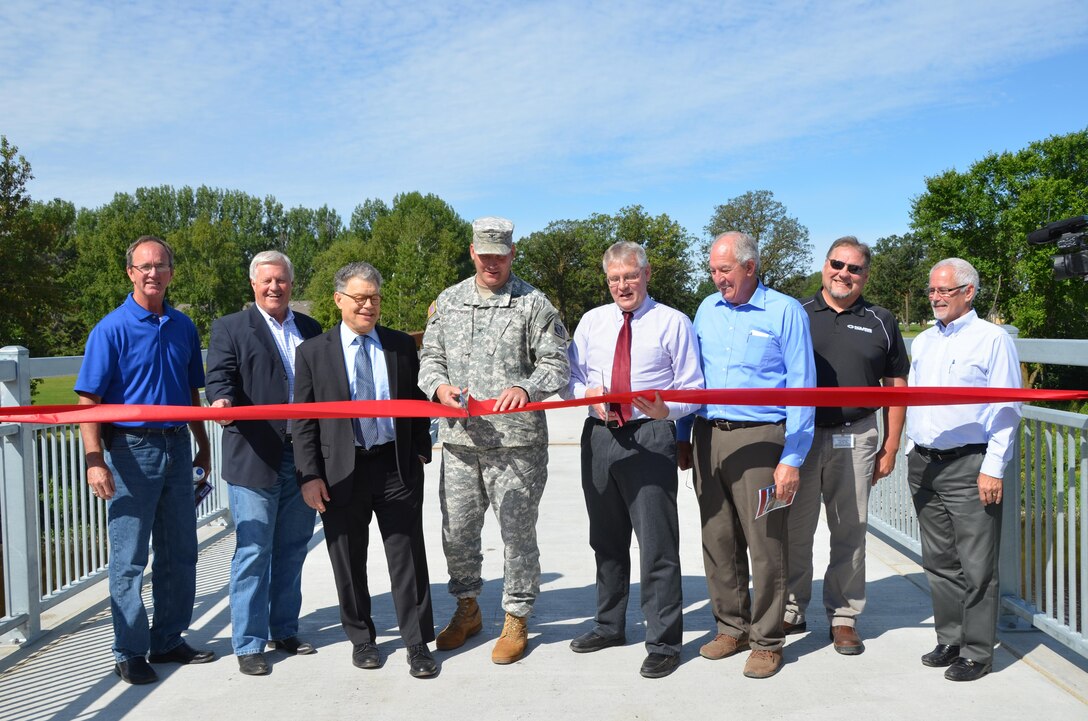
x,y
955,465
629,472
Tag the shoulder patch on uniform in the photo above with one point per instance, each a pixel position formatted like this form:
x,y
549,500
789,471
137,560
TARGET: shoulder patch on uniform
x,y
559,329
431,309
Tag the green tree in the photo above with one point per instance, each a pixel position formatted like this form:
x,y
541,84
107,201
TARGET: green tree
x,y
564,260
984,215
785,255
419,245
35,250
307,233
898,277
205,296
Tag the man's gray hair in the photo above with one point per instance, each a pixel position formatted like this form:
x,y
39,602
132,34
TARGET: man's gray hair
x,y
745,247
962,272
358,269
623,250
851,241
271,257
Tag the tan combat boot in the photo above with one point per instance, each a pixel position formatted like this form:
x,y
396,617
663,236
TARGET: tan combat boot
x,y
511,644
466,622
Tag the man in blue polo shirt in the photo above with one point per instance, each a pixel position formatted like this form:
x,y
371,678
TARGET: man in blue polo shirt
x,y
146,353
749,337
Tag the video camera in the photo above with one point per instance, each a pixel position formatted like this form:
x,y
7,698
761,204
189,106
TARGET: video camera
x,y
1071,235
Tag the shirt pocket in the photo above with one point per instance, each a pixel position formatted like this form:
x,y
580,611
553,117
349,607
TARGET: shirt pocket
x,y
966,374
756,347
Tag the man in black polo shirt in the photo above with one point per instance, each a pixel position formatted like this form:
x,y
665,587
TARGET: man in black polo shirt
x,y
855,343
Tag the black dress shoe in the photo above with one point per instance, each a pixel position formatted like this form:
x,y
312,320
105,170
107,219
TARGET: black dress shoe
x,y
658,665
964,669
183,653
791,628
253,664
293,645
135,671
591,641
942,655
420,661
366,655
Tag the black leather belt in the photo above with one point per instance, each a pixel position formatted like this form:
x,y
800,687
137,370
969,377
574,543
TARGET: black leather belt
x,y
149,430
615,425
851,422
374,450
935,454
724,425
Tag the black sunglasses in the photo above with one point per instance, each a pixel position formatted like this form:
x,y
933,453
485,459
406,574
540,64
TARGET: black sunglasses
x,y
839,265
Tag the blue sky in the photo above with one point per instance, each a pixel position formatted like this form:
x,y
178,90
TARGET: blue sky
x,y
539,111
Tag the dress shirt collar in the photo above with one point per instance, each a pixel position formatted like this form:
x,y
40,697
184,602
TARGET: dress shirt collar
x,y
957,325
758,299
286,319
646,307
348,336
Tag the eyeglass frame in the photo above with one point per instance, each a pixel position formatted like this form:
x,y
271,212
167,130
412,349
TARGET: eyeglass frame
x,y
146,268
945,293
628,278
361,300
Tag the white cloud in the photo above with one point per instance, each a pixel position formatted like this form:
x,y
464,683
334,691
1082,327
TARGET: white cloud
x,y
462,97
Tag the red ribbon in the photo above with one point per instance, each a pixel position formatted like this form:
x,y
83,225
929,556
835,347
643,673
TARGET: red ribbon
x,y
861,397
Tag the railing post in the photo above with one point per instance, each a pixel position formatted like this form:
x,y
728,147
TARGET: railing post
x,y
21,536
1008,563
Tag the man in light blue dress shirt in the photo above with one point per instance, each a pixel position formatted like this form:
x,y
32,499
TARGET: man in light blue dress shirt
x,y
749,337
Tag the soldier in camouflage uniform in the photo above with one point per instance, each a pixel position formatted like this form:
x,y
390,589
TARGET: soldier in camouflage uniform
x,y
493,336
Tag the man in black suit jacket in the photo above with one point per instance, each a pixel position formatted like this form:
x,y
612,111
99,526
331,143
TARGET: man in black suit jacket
x,y
251,362
353,469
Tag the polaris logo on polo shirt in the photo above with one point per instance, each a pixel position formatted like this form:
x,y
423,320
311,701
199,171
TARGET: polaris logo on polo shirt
x,y
858,327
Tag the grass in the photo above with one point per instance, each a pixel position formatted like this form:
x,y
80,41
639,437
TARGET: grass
x,y
54,391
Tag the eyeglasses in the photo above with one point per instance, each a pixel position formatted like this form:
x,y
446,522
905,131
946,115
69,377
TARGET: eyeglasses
x,y
148,267
628,278
361,300
946,292
839,265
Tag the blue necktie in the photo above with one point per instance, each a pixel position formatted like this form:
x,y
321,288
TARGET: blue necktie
x,y
366,429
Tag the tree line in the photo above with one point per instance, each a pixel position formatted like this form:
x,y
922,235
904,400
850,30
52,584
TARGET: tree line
x,y
62,268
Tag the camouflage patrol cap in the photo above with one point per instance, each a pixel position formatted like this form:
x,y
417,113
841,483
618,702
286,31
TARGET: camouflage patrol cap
x,y
492,236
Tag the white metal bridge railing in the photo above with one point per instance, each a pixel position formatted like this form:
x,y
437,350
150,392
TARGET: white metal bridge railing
x,y
54,541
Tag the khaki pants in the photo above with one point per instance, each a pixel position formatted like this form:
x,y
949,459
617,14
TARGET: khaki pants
x,y
730,468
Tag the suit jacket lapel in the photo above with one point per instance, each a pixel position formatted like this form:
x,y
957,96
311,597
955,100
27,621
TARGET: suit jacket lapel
x,y
263,332
390,362
337,366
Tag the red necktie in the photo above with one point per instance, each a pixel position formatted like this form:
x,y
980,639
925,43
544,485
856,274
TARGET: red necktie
x,y
621,368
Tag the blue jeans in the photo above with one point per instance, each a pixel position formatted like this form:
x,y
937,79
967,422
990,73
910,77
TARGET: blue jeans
x,y
153,475
272,529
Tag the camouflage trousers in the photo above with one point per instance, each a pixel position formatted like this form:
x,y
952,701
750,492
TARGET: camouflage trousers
x,y
510,480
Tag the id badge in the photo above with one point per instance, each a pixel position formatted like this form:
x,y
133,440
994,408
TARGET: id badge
x,y
842,440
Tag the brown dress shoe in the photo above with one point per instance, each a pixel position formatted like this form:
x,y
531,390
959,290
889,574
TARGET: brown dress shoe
x,y
466,622
762,663
846,640
722,646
